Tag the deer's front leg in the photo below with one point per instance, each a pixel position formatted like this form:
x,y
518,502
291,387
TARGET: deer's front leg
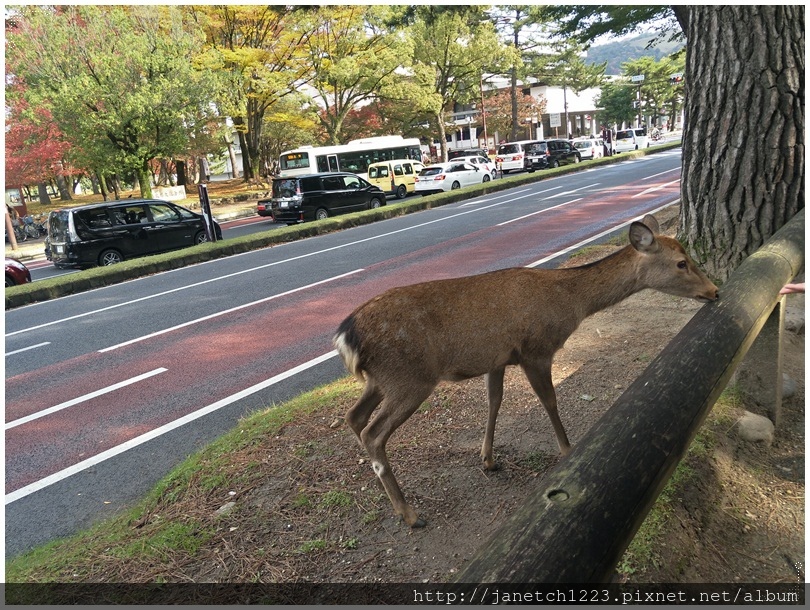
x,y
494,396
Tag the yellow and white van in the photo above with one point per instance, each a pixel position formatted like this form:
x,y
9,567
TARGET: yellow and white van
x,y
394,177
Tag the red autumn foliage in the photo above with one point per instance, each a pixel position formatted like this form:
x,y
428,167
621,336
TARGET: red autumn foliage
x,y
35,149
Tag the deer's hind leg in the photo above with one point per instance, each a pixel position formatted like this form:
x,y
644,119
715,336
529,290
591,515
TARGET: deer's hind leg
x,y
357,417
494,397
539,376
397,406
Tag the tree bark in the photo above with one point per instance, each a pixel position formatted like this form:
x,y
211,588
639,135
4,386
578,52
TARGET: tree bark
x,y
144,179
232,156
247,167
181,172
44,198
64,189
743,143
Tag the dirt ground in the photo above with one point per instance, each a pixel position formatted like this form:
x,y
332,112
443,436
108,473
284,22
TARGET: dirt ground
x,y
320,515
314,512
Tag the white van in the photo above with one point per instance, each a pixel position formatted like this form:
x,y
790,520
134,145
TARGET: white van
x,y
394,177
630,139
512,155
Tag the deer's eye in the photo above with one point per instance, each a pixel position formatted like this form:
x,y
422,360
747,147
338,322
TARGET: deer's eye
x,y
682,265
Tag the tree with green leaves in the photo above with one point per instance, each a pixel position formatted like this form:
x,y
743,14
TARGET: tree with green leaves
x,y
523,28
565,67
616,103
354,56
454,47
290,123
257,54
119,82
656,92
743,144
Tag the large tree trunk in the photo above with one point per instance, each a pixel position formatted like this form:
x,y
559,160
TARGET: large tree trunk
x,y
42,189
743,142
181,172
439,116
144,179
247,167
64,189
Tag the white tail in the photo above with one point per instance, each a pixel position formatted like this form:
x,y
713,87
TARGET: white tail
x,y
406,340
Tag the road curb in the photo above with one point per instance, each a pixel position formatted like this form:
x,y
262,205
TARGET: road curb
x,y
26,294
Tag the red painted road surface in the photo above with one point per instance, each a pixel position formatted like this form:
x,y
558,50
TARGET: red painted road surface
x,y
210,361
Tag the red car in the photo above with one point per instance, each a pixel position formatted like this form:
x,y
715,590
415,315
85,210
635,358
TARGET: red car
x,y
16,273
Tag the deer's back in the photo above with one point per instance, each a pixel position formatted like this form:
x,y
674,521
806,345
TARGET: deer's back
x,y
464,327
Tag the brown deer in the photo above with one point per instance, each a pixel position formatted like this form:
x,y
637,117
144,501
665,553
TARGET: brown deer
x,y
406,340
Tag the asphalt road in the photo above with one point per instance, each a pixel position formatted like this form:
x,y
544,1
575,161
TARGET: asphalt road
x,y
107,390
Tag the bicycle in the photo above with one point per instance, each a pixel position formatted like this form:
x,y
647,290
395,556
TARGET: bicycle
x,y
29,227
19,233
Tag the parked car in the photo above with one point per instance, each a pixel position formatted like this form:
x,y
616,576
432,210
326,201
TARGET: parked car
x,y
449,176
395,177
457,153
551,153
482,162
630,139
590,148
511,155
318,196
108,233
16,273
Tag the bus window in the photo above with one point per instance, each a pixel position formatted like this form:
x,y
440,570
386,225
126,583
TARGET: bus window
x,y
296,160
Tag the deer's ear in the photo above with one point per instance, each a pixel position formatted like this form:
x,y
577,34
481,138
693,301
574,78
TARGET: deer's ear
x,y
652,223
642,238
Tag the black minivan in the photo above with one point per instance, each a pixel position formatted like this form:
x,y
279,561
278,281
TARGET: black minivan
x,y
107,233
551,153
318,196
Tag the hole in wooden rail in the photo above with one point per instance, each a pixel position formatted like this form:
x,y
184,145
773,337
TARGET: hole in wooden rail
x,y
557,495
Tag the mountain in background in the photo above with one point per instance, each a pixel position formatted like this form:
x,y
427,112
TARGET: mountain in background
x,y
616,53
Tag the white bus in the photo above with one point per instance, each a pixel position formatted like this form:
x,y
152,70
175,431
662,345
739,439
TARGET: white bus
x,y
353,157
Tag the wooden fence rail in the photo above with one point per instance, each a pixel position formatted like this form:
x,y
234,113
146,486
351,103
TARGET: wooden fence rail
x,y
576,527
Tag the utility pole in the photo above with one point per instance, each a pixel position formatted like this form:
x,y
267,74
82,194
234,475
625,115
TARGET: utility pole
x,y
638,78
483,114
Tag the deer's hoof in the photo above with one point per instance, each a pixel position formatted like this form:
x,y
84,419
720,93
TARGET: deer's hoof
x,y
492,467
418,523
414,521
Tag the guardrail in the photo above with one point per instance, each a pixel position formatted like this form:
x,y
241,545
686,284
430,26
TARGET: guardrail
x,y
576,527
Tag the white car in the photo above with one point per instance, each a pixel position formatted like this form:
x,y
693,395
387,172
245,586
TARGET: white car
x,y
589,148
449,176
482,162
630,139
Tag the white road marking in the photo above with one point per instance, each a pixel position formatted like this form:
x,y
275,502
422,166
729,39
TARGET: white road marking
x,y
593,238
25,349
119,449
226,311
554,207
652,189
273,264
148,436
81,399
572,192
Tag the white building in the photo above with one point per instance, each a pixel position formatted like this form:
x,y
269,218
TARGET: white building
x,y
581,110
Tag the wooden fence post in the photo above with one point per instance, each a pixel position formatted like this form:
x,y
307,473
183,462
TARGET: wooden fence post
x,y
575,527
759,376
